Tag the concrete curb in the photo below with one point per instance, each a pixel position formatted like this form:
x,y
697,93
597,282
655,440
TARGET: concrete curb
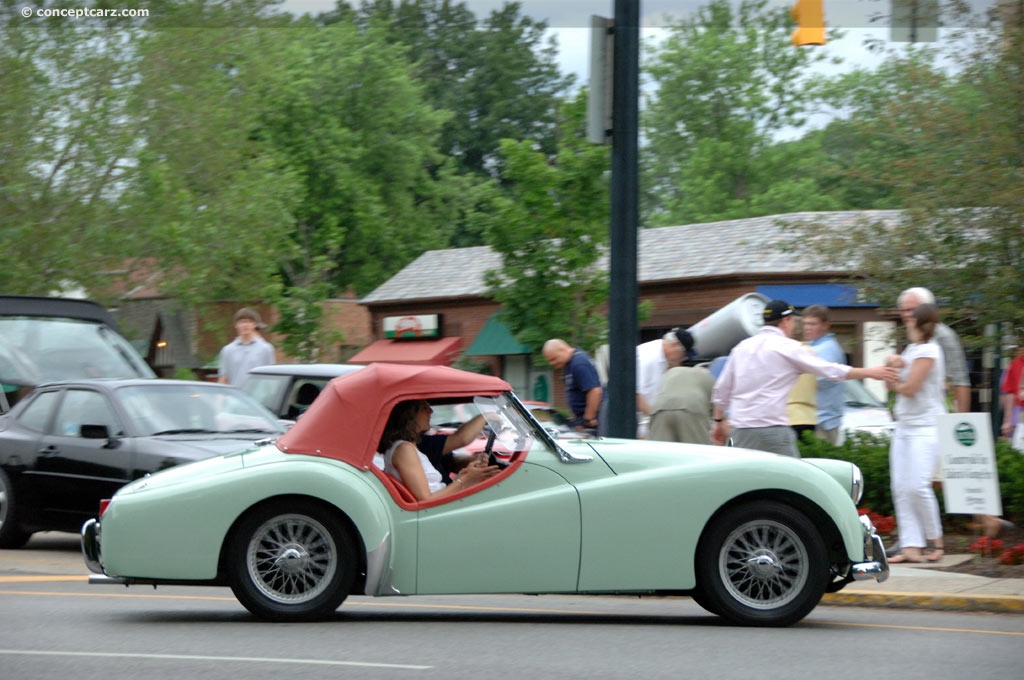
x,y
999,604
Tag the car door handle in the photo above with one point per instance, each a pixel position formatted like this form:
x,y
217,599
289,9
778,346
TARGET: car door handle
x,y
49,451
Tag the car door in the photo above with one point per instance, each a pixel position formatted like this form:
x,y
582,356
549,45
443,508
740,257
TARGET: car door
x,y
74,473
520,535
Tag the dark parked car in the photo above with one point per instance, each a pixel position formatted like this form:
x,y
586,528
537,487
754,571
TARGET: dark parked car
x,y
288,389
68,445
43,339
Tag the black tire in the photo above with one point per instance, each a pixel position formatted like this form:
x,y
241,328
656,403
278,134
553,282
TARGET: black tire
x,y
701,599
291,561
762,564
11,533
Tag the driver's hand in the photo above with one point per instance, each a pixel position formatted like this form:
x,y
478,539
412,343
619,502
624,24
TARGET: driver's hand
x,y
477,471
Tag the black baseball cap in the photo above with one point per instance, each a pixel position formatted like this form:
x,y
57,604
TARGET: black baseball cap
x,y
777,310
684,337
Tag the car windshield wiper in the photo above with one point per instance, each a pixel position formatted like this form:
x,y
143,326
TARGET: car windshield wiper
x,y
185,430
249,430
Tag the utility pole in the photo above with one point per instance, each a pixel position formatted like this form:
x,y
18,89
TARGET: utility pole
x,y
622,301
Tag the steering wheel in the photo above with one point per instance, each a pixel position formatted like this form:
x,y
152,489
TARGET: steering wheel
x,y
489,450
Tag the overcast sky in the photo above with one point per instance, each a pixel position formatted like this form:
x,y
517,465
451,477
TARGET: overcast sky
x,y
568,21
576,13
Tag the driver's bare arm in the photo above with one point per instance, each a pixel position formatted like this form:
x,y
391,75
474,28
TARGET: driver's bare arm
x,y
469,431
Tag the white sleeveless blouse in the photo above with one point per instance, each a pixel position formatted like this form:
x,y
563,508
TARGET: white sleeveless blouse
x,y
434,482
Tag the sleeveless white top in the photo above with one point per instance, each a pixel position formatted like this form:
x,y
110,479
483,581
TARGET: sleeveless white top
x,y
921,409
434,482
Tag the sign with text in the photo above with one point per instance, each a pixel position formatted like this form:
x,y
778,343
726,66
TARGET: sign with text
x,y
970,481
413,326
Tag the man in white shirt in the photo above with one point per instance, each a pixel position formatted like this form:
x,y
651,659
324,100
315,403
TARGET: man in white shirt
x,y
755,384
652,360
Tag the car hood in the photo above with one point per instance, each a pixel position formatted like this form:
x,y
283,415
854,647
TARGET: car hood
x,y
630,455
625,456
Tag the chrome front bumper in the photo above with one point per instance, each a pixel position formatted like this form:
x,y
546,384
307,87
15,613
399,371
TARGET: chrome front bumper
x,y
876,566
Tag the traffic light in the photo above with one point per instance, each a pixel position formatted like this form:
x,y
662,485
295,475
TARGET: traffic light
x,y
809,16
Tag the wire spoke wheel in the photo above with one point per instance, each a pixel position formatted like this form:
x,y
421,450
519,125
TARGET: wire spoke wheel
x,y
291,558
291,561
763,564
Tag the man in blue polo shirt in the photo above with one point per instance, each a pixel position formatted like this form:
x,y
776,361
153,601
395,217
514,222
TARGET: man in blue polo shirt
x,y
831,395
582,384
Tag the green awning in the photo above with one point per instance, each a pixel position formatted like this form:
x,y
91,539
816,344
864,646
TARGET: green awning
x,y
495,339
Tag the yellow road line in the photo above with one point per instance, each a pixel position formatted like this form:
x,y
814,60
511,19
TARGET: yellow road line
x,y
40,579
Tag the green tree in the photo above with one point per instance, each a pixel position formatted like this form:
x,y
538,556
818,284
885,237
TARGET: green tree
x,y
497,77
550,226
948,142
212,203
344,113
283,160
67,143
729,83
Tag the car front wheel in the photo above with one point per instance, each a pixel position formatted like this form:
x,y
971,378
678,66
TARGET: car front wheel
x,y
291,561
762,564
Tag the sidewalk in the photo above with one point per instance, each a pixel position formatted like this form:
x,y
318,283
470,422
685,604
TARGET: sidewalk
x,y
921,586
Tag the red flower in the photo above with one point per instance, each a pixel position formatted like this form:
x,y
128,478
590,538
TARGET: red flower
x,y
884,524
1014,555
987,547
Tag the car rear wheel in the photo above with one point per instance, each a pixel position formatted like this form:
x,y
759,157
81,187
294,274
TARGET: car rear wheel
x,y
291,561
762,564
11,535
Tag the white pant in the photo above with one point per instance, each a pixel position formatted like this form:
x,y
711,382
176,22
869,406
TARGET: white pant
x,y
913,456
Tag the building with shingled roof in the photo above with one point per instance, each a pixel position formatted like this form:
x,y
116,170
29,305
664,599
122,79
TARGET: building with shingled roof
x,y
686,273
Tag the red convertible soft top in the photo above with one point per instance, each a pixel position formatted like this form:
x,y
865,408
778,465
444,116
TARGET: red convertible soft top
x,y
347,419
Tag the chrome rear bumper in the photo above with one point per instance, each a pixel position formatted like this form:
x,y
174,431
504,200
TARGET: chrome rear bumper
x,y
91,546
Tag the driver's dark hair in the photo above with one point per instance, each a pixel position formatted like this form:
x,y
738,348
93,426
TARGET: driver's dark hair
x,y
401,425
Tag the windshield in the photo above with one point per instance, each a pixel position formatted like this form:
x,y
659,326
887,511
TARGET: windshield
x,y
510,425
267,389
197,407
857,395
35,350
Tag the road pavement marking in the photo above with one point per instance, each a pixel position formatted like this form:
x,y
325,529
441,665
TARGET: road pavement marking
x,y
936,629
39,579
117,595
195,657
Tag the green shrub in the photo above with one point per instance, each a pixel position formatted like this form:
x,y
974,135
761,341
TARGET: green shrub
x,y
1010,464
871,454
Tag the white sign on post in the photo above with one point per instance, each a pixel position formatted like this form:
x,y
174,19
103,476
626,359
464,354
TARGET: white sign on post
x,y
970,481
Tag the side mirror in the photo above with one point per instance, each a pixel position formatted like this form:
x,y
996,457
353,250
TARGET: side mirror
x,y
98,432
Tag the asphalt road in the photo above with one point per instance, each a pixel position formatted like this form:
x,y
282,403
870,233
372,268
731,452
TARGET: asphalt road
x,y
53,625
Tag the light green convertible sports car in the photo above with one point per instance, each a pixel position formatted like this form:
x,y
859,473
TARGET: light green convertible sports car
x,y
295,525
